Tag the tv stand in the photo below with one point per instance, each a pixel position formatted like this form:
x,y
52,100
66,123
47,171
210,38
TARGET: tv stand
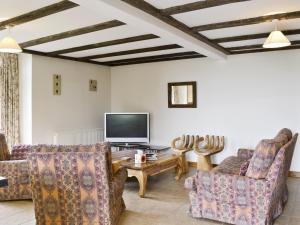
x,y
128,146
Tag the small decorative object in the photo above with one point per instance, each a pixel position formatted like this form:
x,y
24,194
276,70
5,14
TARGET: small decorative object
x,y
182,95
205,147
93,85
56,84
140,157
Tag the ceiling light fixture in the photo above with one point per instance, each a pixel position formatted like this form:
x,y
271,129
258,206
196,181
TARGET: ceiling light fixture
x,y
276,39
9,44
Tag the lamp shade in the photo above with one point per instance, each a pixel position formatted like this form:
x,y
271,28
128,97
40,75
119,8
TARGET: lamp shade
x,y
276,39
9,45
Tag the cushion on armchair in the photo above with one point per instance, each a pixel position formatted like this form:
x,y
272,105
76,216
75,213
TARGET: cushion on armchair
x,y
264,155
244,167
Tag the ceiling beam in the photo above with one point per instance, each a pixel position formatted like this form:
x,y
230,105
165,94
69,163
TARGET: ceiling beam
x,y
248,21
105,44
39,13
147,21
245,47
253,36
265,50
62,57
148,8
197,6
134,51
156,58
72,33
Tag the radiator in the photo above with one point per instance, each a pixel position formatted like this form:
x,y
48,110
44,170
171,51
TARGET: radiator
x,y
79,136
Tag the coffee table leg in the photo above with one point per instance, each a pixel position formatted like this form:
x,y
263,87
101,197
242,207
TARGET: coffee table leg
x,y
179,169
142,179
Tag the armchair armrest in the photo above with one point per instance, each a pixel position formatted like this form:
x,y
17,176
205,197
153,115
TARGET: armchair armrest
x,y
245,153
116,165
17,173
118,182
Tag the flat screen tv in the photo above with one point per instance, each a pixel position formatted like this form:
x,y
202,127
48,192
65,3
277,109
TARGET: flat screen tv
x,y
127,127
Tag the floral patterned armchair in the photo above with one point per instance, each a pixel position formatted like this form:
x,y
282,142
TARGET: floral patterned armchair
x,y
15,169
76,185
231,195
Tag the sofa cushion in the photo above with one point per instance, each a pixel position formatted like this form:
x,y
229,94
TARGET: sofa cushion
x,y
230,165
4,153
244,167
286,132
264,155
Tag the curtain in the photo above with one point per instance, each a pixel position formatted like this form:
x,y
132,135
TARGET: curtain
x,y
9,98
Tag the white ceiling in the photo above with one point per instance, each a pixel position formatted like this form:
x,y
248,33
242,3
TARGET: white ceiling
x,y
161,4
79,17
121,47
13,8
170,51
237,11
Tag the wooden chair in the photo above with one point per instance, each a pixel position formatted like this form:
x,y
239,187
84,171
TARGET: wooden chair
x,y
182,145
212,145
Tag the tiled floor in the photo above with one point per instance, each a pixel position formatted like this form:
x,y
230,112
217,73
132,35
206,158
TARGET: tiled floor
x,y
166,203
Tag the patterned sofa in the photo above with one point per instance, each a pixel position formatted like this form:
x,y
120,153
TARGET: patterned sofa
x,y
247,189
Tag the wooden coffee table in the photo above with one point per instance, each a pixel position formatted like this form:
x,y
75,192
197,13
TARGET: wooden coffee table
x,y
167,160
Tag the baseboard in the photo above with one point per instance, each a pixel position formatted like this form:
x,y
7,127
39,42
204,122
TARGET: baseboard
x,y
192,164
291,173
294,174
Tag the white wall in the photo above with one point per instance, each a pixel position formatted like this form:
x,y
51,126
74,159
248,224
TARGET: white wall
x,y
245,98
25,81
76,107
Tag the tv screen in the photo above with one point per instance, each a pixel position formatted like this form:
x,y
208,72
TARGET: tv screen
x,y
127,127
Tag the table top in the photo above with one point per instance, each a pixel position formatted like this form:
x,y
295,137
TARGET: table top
x,y
163,157
3,182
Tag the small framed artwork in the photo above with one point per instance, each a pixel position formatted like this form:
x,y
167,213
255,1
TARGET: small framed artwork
x,y
93,85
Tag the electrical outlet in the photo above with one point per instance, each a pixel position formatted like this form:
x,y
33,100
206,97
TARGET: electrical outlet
x,y
93,85
56,84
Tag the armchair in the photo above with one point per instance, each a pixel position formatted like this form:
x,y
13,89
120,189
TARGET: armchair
x,y
76,185
224,195
16,171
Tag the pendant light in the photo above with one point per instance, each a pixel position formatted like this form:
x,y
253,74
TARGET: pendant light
x,y
276,39
9,44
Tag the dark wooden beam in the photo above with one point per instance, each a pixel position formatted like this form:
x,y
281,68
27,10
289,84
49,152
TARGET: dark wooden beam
x,y
39,13
63,57
150,9
253,36
72,33
106,43
238,48
265,50
157,58
198,5
134,51
248,21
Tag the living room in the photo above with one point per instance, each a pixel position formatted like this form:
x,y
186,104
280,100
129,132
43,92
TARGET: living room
x,y
70,71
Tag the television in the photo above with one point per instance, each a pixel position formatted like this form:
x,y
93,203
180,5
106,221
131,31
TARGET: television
x,y
127,127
